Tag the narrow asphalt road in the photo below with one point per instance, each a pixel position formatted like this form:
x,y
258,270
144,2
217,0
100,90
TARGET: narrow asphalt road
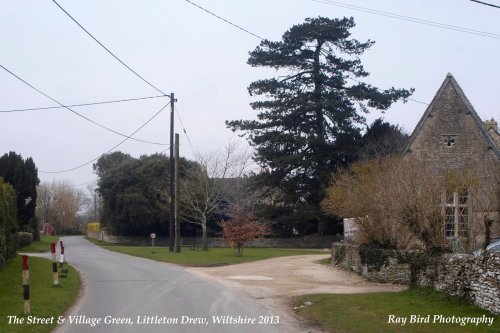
x,y
130,294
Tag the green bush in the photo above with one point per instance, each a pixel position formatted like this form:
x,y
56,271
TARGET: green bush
x,y
8,223
24,238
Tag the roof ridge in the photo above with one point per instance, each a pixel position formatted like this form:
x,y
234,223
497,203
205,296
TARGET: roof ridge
x,y
451,80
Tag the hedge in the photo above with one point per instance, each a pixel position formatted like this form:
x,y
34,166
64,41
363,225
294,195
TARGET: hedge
x,y
8,223
24,238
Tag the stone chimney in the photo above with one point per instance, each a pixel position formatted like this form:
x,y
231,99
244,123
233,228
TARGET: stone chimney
x,y
492,129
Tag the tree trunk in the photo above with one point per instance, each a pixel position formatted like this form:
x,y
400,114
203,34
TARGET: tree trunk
x,y
204,237
322,225
322,169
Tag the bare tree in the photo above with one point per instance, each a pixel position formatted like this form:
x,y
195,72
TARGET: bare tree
x,y
403,202
92,203
394,201
214,181
59,204
44,202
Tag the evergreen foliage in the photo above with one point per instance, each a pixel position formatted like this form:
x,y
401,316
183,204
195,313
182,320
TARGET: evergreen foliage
x,y
310,114
23,176
382,139
8,222
134,192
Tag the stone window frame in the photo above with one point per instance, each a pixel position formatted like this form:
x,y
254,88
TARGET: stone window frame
x,y
456,213
449,139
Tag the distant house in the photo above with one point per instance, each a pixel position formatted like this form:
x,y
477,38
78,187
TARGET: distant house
x,y
451,137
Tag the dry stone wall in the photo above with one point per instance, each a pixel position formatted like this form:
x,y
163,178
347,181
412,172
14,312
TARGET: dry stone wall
x,y
376,265
474,278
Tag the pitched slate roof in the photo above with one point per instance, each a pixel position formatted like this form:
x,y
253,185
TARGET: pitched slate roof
x,y
450,80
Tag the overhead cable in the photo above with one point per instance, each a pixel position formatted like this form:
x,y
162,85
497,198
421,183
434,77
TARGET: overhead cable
x,y
410,99
251,33
83,104
410,19
485,3
185,133
73,111
223,19
109,150
107,50
115,56
87,183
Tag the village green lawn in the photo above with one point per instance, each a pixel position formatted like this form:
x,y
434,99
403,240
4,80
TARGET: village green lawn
x,y
46,300
212,257
43,245
361,313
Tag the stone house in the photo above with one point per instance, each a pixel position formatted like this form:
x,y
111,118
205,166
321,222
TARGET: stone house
x,y
451,137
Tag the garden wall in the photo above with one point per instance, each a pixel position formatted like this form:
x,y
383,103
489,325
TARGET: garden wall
x,y
376,265
311,241
475,278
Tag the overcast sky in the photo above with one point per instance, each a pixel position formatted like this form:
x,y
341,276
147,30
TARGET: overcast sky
x,y
182,49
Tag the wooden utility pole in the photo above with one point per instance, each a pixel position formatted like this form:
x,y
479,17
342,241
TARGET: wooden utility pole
x,y
177,197
171,193
95,206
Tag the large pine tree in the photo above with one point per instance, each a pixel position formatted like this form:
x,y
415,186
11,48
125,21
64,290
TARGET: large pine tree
x,y
309,113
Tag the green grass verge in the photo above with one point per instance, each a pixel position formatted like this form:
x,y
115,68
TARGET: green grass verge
x,y
43,245
360,313
46,300
212,257
326,261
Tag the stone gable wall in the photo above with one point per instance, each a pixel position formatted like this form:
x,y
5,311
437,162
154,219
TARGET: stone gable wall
x,y
474,278
450,116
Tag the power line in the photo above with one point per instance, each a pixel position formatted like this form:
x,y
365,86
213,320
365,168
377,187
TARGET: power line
x,y
87,183
108,151
185,132
251,33
223,19
410,19
83,104
107,50
73,111
116,57
410,99
485,3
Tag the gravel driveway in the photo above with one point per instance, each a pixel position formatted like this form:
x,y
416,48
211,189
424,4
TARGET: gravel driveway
x,y
272,282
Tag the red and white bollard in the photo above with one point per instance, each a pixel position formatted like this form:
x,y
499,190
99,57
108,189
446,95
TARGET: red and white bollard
x,y
64,272
54,263
26,286
61,256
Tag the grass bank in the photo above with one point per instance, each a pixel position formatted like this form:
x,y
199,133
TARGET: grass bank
x,y
325,261
46,300
360,313
43,245
212,257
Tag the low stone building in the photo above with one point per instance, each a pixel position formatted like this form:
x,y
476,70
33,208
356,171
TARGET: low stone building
x,y
452,139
